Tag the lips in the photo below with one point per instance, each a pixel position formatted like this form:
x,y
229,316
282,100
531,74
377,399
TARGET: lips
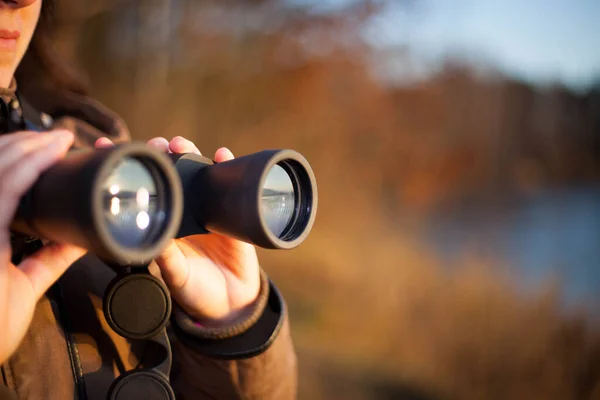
x,y
9,35
8,40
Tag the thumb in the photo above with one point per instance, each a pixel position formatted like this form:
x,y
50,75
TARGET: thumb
x,y
45,266
223,154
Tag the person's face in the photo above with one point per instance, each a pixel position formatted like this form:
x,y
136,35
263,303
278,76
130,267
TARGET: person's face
x,y
18,19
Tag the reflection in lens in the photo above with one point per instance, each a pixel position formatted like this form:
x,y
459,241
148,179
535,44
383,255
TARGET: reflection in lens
x,y
278,200
130,203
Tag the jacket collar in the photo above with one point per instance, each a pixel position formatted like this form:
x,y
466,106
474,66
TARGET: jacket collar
x,y
9,93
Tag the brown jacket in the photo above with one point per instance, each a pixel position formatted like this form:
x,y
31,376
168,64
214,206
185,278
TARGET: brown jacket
x,y
70,352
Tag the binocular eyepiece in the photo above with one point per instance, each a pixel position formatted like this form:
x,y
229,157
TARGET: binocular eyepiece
x,y
124,203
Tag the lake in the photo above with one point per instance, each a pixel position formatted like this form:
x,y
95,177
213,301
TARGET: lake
x,y
554,232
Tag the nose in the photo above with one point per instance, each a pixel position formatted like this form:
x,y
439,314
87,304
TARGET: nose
x,y
16,3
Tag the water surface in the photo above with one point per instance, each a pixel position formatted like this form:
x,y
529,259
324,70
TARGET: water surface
x,y
552,233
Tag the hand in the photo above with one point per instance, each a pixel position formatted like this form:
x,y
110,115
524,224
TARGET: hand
x,y
23,156
214,278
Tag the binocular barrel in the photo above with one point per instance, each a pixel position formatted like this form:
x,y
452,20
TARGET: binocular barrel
x,y
268,198
124,203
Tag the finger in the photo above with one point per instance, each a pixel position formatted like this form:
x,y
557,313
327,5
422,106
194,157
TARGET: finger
x,y
19,149
181,145
103,143
45,266
159,143
17,178
8,139
173,265
223,154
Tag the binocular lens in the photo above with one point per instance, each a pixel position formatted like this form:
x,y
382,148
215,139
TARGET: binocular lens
x,y
130,205
123,204
278,200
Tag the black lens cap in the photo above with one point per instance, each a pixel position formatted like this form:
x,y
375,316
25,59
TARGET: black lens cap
x,y
137,305
141,385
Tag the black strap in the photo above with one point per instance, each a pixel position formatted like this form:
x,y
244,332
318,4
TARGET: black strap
x,y
58,302
30,114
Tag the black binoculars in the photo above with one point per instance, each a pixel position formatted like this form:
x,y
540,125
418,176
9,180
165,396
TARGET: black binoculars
x,y
124,203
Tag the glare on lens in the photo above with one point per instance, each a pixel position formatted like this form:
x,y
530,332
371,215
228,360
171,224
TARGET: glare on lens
x,y
143,197
130,211
114,205
142,220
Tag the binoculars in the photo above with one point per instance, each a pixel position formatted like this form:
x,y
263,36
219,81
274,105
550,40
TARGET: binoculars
x,y
124,203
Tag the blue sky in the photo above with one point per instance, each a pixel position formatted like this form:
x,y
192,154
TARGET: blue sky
x,y
536,40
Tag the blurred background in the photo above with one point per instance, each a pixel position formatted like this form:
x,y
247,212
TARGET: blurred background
x,y
456,144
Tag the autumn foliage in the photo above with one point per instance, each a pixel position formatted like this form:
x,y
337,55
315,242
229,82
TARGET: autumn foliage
x,y
374,313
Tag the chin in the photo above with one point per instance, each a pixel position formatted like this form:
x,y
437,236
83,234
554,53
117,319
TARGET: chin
x,y
7,68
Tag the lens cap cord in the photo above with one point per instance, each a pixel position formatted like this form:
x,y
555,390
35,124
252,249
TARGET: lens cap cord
x,y
137,306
